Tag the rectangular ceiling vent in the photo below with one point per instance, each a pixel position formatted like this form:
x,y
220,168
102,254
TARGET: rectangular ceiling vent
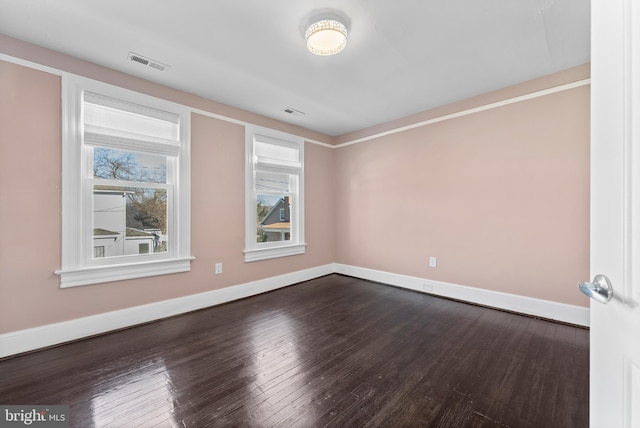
x,y
147,61
293,111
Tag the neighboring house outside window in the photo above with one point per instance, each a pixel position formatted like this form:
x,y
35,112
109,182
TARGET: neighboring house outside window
x,y
274,194
112,225
276,225
125,184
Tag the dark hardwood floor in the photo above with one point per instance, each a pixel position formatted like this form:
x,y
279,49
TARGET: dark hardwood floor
x,y
334,352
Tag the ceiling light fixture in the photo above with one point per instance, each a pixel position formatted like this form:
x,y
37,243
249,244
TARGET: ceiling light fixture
x,y
326,36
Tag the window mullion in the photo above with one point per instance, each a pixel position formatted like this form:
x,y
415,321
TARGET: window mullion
x,y
124,183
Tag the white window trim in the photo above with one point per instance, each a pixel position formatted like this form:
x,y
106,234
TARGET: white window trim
x,y
270,250
75,269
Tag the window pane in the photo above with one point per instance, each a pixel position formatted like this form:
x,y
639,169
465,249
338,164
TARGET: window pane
x,y
129,220
274,219
270,181
112,164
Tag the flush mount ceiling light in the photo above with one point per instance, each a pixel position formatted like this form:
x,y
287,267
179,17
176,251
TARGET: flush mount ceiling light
x,y
326,36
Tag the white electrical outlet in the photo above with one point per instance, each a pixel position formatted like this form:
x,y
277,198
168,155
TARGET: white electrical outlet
x,y
218,268
433,262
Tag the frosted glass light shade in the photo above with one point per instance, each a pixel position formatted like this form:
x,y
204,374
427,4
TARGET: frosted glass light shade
x,y
326,37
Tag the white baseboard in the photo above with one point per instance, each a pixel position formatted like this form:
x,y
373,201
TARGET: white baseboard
x,y
52,334
511,302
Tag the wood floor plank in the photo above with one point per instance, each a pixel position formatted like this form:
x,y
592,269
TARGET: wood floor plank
x,y
331,352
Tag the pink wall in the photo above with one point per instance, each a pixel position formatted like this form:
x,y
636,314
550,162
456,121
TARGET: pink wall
x,y
500,197
30,213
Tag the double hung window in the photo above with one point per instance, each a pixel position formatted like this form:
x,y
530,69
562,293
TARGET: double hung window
x,y
125,184
274,194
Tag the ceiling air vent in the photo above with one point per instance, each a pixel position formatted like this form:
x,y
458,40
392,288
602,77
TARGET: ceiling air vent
x,y
148,62
293,111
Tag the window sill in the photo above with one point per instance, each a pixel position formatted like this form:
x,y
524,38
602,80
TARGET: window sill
x,y
120,272
258,254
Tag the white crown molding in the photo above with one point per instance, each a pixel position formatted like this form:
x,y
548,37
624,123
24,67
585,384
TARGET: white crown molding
x,y
526,97
548,91
30,64
510,302
58,72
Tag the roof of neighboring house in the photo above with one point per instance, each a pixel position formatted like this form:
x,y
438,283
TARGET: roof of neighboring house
x,y
278,226
131,232
137,232
103,232
276,206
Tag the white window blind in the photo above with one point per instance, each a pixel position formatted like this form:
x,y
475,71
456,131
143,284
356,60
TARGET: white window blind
x,y
275,155
118,124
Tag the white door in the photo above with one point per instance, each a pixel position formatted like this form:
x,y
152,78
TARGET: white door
x,y
615,212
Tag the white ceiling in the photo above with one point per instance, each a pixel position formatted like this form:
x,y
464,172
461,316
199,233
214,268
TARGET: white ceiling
x,y
402,57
